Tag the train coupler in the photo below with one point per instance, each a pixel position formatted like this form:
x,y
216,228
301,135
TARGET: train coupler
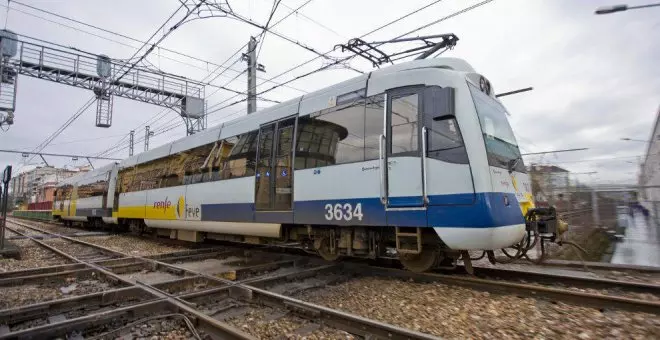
x,y
546,222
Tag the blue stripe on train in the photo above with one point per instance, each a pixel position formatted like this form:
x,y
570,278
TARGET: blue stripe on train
x,y
483,210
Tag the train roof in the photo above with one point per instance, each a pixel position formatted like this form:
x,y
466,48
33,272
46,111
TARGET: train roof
x,y
85,176
302,105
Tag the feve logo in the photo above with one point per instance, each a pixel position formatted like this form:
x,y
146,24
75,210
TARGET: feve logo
x,y
180,207
183,211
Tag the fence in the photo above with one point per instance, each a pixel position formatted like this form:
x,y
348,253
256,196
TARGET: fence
x,y
597,207
48,205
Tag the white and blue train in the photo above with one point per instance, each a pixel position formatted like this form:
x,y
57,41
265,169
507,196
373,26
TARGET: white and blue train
x,y
418,157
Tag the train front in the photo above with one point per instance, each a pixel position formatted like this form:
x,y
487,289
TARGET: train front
x,y
515,220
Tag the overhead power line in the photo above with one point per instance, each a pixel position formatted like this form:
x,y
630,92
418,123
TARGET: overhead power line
x,y
455,14
163,112
282,36
63,127
108,31
214,108
22,152
131,66
361,37
553,151
207,62
297,11
234,54
217,107
401,18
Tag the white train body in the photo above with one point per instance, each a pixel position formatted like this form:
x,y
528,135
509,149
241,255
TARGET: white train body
x,y
313,166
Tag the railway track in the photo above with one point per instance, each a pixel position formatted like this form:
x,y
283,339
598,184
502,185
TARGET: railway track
x,y
255,290
534,276
137,286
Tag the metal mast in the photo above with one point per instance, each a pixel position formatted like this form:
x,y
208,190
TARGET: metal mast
x,y
131,143
147,134
251,58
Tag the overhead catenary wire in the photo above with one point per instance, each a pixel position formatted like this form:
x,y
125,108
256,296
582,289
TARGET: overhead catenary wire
x,y
282,36
337,61
165,111
363,36
217,107
63,127
147,52
297,12
198,67
276,3
235,53
162,113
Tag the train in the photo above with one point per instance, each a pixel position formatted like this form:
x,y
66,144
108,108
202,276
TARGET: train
x,y
416,160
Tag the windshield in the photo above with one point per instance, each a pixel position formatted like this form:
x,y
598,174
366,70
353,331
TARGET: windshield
x,y
500,142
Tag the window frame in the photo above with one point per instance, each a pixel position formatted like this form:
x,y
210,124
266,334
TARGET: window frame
x,y
492,158
401,92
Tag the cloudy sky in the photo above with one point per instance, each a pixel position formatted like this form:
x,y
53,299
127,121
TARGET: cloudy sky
x,y
596,79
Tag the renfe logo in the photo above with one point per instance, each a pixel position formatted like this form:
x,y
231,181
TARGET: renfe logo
x,y
164,205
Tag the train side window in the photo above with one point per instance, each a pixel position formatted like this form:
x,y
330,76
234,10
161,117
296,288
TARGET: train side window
x,y
444,141
404,129
332,136
242,155
351,148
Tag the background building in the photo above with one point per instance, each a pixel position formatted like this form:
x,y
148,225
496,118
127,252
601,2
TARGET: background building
x,y
38,184
549,183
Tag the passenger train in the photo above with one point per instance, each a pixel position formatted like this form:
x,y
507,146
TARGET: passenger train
x,y
417,159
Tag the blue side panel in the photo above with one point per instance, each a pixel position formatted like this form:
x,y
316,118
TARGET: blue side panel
x,y
317,212
464,199
400,202
406,218
487,210
232,212
273,216
501,214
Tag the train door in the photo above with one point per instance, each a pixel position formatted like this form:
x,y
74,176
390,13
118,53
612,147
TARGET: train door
x,y
74,200
274,184
404,186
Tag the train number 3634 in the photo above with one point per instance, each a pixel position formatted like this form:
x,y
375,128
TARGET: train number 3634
x,y
346,212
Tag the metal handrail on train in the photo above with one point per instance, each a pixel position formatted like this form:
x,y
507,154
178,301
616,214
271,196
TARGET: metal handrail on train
x,y
424,190
381,160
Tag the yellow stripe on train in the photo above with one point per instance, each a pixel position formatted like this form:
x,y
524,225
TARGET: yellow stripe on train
x,y
148,211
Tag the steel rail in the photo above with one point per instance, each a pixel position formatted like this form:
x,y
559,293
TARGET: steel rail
x,y
45,309
600,266
41,270
598,301
223,329
341,320
549,278
505,273
575,281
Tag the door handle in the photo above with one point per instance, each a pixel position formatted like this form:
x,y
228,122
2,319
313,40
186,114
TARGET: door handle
x,y
424,192
381,160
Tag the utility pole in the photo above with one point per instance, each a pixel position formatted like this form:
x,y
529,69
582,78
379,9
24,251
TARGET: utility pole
x,y
131,143
147,134
251,58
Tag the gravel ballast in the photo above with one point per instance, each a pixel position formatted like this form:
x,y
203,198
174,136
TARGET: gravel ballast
x,y
459,313
53,289
267,323
32,256
133,245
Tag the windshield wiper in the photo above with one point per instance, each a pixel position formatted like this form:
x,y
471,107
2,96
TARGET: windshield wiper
x,y
512,163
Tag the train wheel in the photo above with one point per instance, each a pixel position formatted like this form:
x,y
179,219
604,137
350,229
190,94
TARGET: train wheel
x,y
324,249
421,262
